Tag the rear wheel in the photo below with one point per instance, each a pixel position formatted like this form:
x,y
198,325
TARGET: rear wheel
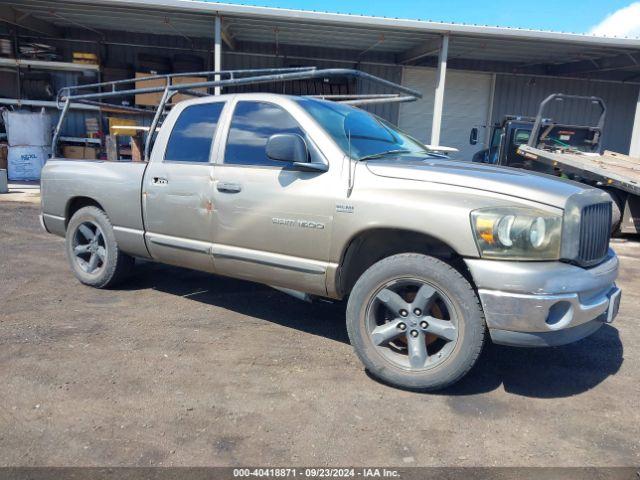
x,y
415,322
92,249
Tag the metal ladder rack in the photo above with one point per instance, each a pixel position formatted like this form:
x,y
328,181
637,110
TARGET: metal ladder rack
x,y
221,79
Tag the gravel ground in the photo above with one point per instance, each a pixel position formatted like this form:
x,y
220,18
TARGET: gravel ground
x,y
182,368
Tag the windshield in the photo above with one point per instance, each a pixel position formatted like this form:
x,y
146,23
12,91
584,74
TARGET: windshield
x,y
370,135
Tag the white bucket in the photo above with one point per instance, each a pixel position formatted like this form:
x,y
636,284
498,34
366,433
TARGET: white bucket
x,y
25,163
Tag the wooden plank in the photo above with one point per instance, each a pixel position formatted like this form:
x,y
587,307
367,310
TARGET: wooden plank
x,y
112,148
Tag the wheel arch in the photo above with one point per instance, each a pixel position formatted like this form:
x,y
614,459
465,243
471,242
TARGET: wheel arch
x,y
372,245
76,203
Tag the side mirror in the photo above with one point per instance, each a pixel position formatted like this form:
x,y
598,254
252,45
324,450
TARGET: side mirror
x,y
291,148
473,136
287,147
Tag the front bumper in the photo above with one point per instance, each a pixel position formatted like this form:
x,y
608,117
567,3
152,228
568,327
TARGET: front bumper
x,y
545,303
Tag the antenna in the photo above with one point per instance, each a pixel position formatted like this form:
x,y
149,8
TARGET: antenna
x,y
352,175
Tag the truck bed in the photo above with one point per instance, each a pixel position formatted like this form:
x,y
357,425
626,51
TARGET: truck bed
x,y
114,186
610,168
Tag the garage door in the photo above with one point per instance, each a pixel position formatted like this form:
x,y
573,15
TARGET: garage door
x,y
466,105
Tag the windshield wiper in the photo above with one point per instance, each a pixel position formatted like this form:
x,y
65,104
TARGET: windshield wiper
x,y
384,154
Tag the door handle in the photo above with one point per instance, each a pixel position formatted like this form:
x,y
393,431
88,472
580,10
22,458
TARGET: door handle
x,y
160,181
228,187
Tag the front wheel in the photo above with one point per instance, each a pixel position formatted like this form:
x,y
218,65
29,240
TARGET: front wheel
x,y
415,322
92,250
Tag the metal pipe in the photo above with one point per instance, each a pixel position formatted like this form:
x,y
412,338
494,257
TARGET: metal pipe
x,y
374,101
354,95
535,131
122,108
256,80
206,73
56,133
156,118
43,103
438,102
217,52
634,147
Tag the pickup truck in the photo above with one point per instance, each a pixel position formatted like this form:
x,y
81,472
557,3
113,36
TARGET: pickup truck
x,y
324,200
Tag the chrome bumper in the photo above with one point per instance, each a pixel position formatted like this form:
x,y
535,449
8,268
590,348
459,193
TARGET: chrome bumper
x,y
544,303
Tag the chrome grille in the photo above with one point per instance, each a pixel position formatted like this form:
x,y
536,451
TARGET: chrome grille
x,y
595,229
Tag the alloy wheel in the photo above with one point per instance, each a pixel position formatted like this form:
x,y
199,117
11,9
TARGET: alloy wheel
x,y
89,249
412,324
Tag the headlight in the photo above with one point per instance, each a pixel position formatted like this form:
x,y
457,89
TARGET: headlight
x,y
517,233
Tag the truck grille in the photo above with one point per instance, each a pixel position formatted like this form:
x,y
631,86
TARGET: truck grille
x,y
595,229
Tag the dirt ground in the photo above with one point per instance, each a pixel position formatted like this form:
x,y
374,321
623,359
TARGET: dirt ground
x,y
182,368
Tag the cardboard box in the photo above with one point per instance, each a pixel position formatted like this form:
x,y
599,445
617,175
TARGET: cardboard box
x,y
178,97
85,57
153,99
80,152
149,99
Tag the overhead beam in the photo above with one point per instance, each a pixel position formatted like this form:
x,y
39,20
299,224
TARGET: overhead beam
x,y
426,49
634,147
603,64
28,22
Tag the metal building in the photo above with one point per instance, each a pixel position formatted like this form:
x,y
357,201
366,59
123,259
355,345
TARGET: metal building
x,y
471,75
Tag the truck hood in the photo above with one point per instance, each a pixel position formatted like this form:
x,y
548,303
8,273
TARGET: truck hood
x,y
507,181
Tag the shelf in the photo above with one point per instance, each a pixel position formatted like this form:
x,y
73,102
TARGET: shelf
x,y
96,141
44,103
48,65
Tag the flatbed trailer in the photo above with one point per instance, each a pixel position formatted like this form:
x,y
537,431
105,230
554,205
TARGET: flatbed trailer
x,y
609,169
616,173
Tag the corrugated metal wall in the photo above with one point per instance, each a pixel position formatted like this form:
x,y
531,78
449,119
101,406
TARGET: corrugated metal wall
x,y
516,95
264,56
261,56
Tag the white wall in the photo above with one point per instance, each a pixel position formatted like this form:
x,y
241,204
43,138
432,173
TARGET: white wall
x,y
466,105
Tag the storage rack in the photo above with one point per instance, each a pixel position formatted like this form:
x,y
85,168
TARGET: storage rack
x,y
221,79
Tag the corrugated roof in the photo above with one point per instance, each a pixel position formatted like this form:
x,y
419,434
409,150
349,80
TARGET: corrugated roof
x,y
244,23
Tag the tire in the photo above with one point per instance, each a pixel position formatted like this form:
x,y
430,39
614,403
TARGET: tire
x,y
454,295
617,207
89,239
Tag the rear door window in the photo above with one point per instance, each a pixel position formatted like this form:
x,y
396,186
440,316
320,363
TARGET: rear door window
x,y
252,125
193,132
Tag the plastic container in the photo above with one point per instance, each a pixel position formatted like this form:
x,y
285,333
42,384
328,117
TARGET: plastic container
x,y
25,163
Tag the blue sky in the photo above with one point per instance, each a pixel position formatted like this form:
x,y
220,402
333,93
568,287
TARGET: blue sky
x,y
578,16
